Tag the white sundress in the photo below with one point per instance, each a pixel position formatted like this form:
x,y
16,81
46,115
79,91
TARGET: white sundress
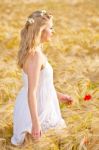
x,y
47,105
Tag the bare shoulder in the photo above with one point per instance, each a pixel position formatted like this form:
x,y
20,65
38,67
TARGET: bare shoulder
x,y
37,56
33,61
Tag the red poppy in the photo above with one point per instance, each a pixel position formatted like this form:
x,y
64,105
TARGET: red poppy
x,y
87,97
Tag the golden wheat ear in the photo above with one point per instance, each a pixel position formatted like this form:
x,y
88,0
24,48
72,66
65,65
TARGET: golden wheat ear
x,y
28,138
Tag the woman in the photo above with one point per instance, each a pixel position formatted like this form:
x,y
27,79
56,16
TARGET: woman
x,y
37,106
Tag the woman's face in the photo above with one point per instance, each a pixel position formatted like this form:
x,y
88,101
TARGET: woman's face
x,y
47,32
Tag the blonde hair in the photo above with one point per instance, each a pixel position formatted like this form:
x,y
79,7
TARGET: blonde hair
x,y
31,34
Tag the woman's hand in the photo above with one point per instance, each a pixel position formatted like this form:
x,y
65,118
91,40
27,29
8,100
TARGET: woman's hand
x,y
36,131
64,98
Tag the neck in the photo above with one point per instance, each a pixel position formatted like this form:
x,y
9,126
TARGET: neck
x,y
40,47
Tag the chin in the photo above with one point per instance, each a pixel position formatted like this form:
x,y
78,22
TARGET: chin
x,y
49,39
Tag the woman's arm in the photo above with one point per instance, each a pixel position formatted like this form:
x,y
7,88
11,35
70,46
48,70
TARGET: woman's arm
x,y
33,71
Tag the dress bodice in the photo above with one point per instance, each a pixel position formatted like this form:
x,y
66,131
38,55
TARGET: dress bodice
x,y
46,75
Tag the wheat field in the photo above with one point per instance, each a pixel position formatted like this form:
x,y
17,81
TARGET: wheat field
x,y
73,53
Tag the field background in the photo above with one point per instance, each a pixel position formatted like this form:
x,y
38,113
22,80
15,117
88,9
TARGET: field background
x,y
74,55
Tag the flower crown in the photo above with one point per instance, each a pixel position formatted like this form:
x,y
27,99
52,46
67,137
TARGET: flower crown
x,y
43,12
31,20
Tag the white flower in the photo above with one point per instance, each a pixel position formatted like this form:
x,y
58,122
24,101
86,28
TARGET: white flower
x,y
30,20
43,12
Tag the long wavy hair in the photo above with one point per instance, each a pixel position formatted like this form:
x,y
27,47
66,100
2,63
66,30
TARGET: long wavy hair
x,y
31,34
